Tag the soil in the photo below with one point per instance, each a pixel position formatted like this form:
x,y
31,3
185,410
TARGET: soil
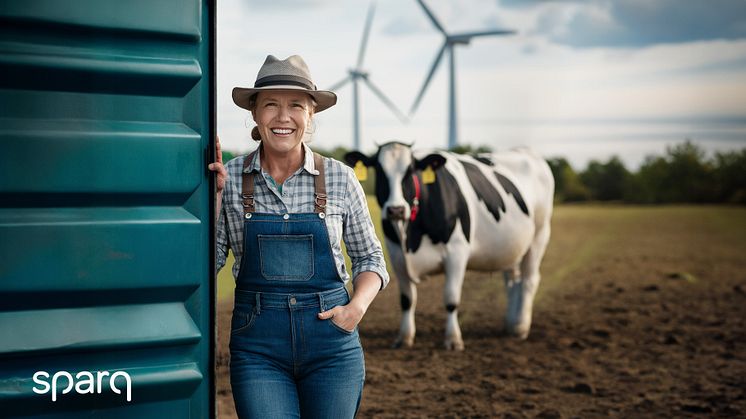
x,y
641,313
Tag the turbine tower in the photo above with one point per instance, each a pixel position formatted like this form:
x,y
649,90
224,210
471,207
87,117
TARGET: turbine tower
x,y
450,41
357,74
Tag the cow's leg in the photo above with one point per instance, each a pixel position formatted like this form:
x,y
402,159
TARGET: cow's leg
x,y
455,268
407,297
512,278
522,288
408,300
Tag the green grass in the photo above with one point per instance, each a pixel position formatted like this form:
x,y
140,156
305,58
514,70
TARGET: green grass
x,y
592,238
226,283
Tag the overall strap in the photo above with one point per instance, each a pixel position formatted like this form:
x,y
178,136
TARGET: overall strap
x,y
247,186
319,197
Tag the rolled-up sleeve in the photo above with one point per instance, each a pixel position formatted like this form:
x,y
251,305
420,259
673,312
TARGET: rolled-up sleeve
x,y
221,240
360,238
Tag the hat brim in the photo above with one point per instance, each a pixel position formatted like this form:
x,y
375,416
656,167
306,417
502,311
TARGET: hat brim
x,y
324,98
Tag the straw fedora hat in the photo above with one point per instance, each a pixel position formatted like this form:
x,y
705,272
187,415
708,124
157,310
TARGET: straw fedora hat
x,y
288,74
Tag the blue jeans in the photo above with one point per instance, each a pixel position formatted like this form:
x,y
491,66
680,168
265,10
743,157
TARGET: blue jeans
x,y
287,363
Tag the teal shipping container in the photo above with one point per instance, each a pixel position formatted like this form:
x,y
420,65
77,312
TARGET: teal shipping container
x,y
106,209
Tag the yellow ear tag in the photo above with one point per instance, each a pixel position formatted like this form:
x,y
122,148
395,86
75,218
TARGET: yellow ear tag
x,y
361,172
428,175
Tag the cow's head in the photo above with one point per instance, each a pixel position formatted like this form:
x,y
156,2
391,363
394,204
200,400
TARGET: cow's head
x,y
398,176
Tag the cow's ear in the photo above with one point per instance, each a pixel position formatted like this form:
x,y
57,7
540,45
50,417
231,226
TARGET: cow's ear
x,y
433,160
353,157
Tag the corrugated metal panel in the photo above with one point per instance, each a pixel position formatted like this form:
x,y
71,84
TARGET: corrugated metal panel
x,y
105,204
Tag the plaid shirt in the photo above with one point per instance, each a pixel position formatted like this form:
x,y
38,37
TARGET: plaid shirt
x,y
346,212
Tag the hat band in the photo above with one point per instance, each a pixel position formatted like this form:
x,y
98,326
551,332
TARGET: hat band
x,y
284,80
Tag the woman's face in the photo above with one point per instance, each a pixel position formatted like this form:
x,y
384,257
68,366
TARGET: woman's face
x,y
282,117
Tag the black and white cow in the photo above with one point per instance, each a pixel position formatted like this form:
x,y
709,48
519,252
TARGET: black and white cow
x,y
488,213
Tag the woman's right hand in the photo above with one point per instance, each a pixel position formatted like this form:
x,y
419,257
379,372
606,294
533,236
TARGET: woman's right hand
x,y
218,168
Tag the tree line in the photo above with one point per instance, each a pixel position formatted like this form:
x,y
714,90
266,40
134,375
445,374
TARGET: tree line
x,y
683,174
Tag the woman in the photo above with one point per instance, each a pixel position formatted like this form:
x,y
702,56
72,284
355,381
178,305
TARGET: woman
x,y
283,209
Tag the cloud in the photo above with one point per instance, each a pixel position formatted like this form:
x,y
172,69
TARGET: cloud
x,y
635,23
283,5
454,17
519,4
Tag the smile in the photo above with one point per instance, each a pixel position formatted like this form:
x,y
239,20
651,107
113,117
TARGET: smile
x,y
282,131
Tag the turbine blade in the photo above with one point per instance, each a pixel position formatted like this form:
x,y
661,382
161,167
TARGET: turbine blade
x,y
432,17
386,100
366,32
339,84
484,33
427,80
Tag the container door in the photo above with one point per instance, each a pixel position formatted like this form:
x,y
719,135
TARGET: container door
x,y
105,208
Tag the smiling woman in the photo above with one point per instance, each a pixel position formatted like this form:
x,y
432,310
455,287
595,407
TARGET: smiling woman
x,y
283,210
282,118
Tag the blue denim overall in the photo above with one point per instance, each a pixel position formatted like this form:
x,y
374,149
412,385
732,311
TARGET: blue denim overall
x,y
285,361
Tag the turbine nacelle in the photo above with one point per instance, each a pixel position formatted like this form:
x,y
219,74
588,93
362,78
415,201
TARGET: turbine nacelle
x,y
358,73
458,40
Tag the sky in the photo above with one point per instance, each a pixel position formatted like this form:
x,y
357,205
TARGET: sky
x,y
580,79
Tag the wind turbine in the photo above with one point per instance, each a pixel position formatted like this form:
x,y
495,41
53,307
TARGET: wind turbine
x,y
450,41
357,74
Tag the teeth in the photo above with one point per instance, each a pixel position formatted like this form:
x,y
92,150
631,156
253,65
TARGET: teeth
x,y
282,131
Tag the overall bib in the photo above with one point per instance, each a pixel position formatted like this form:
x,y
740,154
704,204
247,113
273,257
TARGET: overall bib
x,y
285,361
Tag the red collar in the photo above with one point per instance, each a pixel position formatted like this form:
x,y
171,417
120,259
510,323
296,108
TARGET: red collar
x,y
416,202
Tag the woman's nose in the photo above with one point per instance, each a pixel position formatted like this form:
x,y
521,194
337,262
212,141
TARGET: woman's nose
x,y
284,114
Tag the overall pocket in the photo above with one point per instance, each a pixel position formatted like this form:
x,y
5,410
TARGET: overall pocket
x,y
340,328
242,321
337,327
286,257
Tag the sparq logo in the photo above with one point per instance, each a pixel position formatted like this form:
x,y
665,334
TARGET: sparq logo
x,y
84,382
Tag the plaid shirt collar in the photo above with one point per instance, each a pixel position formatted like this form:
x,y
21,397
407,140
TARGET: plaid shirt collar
x,y
308,164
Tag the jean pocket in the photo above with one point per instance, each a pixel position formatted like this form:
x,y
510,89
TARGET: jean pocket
x,y
286,257
340,328
242,321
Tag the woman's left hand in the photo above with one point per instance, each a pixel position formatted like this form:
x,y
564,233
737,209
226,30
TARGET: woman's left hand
x,y
346,316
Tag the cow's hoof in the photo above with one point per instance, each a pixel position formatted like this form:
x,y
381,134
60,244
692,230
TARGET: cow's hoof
x,y
402,343
520,333
454,345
